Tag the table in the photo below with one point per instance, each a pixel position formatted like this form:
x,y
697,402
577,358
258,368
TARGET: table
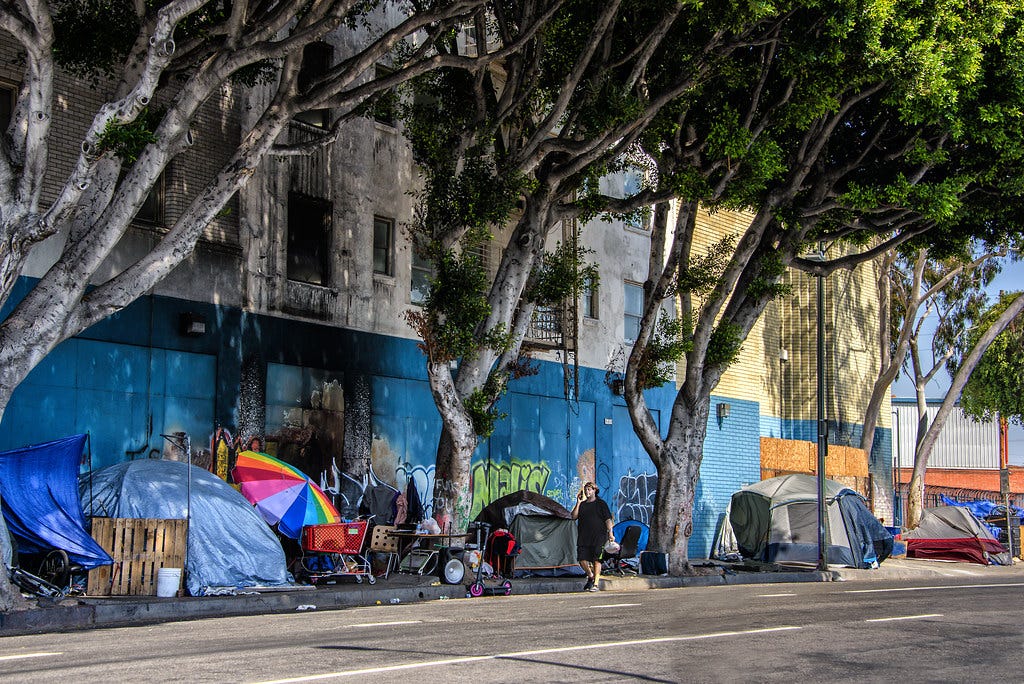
x,y
422,560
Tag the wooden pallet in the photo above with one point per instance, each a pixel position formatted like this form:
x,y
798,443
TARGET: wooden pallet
x,y
139,547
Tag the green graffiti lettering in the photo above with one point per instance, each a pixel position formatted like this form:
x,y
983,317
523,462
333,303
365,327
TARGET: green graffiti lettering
x,y
491,481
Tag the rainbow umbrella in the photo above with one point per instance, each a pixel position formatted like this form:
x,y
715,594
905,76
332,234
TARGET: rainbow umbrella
x,y
283,494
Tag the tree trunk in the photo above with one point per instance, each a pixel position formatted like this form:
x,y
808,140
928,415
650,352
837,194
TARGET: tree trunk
x,y
453,496
678,471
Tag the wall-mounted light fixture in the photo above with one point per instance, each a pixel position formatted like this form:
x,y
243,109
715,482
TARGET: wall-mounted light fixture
x,y
722,411
192,324
783,355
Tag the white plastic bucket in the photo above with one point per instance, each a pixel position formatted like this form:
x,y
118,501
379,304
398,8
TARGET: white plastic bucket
x,y
168,581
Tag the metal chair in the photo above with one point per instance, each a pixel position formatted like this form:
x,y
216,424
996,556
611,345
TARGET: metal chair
x,y
381,542
628,548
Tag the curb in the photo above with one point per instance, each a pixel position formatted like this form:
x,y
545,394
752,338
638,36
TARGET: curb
x,y
90,613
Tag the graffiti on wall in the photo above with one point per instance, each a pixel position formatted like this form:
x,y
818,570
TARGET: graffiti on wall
x,y
493,480
635,498
224,448
420,478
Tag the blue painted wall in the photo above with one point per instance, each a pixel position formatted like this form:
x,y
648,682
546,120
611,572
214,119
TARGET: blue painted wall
x,y
135,376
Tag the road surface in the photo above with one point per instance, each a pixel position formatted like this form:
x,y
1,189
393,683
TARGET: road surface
x,y
948,630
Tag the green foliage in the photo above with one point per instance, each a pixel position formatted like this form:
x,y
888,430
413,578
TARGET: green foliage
x,y
93,36
671,341
700,276
562,274
997,384
766,284
457,305
725,345
257,73
127,140
480,406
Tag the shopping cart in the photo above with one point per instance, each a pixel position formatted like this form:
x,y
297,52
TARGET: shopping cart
x,y
333,551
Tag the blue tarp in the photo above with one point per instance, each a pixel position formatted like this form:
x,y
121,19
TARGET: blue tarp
x,y
39,492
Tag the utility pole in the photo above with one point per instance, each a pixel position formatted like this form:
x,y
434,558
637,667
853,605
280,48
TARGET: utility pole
x,y
1004,477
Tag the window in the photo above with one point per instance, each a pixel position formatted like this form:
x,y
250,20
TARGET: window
x,y
309,235
316,61
8,94
634,310
422,273
589,299
632,184
385,110
383,241
152,209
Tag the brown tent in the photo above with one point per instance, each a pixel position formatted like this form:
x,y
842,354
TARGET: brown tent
x,y
500,512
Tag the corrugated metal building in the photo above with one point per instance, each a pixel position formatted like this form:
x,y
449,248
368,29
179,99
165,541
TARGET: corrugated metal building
x,y
963,443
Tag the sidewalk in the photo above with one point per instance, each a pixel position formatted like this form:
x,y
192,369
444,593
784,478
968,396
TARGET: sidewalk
x,y
88,612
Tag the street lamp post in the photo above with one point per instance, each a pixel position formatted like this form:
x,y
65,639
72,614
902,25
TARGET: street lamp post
x,y
822,422
822,433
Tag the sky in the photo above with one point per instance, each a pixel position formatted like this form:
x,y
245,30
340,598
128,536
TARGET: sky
x,y
1011,278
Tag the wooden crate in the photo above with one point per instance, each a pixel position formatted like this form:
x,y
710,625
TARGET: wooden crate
x,y
139,547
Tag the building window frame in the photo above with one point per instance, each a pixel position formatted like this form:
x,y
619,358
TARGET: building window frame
x,y
385,111
317,59
383,246
8,101
308,240
632,310
151,213
589,299
421,273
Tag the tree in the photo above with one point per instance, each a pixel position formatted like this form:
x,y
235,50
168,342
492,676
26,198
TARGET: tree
x,y
873,127
517,145
1006,311
912,286
157,64
996,387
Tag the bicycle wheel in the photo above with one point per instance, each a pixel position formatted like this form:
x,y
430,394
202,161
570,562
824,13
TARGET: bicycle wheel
x,y
36,586
56,568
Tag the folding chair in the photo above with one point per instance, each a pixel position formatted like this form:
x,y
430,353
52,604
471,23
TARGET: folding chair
x,y
381,542
627,549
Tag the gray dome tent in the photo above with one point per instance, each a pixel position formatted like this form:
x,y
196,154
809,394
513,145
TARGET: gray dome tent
x,y
229,545
776,521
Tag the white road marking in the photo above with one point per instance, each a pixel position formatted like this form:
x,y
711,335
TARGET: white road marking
x,y
617,605
523,654
954,586
386,624
775,595
905,617
21,656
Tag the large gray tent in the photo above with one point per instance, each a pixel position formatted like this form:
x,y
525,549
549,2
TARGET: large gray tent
x,y
229,545
776,521
954,533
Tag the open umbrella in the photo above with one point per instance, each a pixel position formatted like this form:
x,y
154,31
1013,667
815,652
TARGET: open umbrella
x,y
283,494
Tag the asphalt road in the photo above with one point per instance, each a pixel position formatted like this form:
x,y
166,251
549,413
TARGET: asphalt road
x,y
948,630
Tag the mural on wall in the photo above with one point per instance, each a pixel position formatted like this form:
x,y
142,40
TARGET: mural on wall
x,y
635,498
224,448
494,480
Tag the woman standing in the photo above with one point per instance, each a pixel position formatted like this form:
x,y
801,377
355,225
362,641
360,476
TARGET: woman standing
x,y
594,530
